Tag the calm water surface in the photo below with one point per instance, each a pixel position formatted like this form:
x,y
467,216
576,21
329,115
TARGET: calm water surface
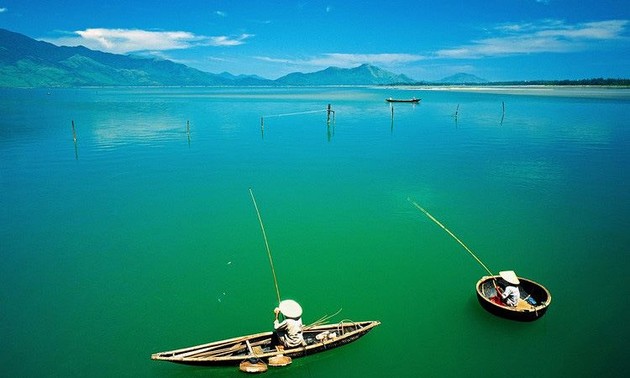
x,y
141,236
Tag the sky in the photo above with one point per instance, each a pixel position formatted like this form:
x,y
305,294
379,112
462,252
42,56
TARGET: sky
x,y
497,40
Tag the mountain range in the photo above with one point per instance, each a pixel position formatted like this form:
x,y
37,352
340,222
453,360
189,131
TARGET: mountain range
x,y
462,78
26,62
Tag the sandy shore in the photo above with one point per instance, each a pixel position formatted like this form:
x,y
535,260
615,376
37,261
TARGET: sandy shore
x,y
535,90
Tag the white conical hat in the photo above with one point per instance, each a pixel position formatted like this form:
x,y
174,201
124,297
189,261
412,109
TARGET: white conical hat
x,y
510,277
290,308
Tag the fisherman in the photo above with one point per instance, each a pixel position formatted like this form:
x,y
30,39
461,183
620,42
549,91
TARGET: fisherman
x,y
511,294
289,331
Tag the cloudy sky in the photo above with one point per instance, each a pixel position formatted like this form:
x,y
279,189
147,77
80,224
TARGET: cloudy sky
x,y
426,40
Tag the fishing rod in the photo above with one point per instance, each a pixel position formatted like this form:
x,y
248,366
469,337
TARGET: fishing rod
x,y
262,227
322,320
496,286
450,233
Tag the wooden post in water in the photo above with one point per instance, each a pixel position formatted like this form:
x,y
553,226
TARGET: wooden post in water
x,y
503,114
74,139
188,131
262,126
328,115
74,132
328,112
456,114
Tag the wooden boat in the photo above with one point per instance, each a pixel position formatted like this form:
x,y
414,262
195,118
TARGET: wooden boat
x,y
411,100
533,303
233,351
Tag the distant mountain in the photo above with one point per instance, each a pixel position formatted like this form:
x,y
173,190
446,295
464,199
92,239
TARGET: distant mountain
x,y
365,74
245,79
30,63
230,76
463,78
25,62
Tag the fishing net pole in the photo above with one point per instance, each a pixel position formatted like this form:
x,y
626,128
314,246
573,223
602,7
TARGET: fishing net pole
x,y
262,227
450,233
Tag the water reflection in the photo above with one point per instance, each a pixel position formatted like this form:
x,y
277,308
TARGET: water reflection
x,y
391,129
404,106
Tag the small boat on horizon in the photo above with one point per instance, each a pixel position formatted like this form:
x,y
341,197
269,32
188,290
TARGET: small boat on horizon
x,y
411,100
532,305
259,346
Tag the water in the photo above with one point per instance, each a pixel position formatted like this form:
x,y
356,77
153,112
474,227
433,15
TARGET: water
x,y
141,236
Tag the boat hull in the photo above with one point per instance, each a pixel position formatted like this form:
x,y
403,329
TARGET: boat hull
x,y
534,302
234,351
413,100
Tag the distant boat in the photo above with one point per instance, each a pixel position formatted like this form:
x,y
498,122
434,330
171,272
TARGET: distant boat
x,y
260,346
411,100
532,305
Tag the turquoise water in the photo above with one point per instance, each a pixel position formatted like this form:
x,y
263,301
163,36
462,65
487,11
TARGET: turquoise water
x,y
141,236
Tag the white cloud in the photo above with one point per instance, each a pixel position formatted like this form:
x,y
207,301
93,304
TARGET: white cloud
x,y
228,41
277,60
133,40
220,13
503,40
2,10
544,36
351,60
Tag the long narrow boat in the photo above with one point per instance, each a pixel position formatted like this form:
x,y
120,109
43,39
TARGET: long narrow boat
x,y
412,100
234,351
533,303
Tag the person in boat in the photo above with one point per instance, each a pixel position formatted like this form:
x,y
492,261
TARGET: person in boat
x,y
289,331
510,295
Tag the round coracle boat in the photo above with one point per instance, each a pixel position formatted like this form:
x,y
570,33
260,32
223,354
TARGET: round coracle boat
x,y
532,305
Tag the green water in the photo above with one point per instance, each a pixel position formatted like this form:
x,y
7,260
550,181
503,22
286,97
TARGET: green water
x,y
141,236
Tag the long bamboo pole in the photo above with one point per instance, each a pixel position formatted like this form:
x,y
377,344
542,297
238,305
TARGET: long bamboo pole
x,y
262,227
450,233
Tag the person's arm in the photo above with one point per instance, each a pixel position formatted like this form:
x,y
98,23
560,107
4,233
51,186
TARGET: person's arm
x,y
500,292
276,322
509,291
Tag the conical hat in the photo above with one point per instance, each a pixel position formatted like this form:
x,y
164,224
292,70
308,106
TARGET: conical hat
x,y
290,308
510,277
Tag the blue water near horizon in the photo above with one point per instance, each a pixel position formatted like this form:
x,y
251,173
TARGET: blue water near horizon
x,y
141,236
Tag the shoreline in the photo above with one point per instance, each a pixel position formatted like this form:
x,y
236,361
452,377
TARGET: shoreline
x,y
582,91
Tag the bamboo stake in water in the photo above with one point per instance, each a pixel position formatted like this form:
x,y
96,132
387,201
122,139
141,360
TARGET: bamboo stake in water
x,y
74,139
450,233
74,133
262,227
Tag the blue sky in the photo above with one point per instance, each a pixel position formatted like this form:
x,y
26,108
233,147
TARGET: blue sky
x,y
426,40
